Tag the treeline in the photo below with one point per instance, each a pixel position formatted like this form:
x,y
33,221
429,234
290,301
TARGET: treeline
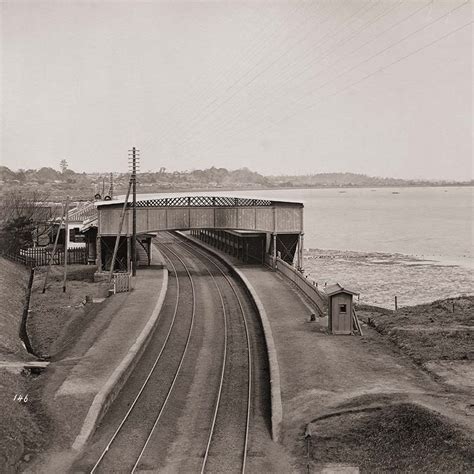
x,y
209,178
42,175
347,179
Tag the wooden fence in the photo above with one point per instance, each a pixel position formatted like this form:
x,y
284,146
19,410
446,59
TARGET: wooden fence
x,y
40,256
122,282
15,258
310,290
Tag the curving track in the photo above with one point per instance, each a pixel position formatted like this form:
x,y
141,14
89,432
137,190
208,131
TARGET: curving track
x,y
155,391
228,438
192,404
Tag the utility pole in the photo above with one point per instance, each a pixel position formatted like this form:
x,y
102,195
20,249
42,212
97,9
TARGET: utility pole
x,y
117,239
66,236
133,157
54,247
111,189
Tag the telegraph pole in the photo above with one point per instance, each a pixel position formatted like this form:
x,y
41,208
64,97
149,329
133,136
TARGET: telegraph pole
x,y
66,236
133,157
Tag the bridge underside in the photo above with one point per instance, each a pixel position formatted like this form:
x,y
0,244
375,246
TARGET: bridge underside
x,y
252,247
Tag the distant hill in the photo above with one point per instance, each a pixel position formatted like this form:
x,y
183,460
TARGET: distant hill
x,y
349,179
85,185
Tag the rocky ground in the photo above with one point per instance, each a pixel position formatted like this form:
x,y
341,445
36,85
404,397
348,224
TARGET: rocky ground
x,y
379,277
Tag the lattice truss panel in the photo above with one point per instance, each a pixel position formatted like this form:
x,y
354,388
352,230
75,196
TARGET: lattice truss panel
x,y
202,201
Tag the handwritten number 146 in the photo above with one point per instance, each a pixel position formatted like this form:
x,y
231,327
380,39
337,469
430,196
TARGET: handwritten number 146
x,y
20,398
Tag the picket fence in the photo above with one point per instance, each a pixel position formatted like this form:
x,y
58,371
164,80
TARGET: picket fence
x,y
122,282
40,256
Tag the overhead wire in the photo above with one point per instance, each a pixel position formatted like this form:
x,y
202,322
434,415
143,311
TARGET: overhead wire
x,y
254,53
204,112
341,42
253,78
244,56
404,38
431,43
371,57
389,29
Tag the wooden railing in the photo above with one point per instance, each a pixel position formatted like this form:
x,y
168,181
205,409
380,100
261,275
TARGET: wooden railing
x,y
310,290
122,282
40,256
15,258
356,322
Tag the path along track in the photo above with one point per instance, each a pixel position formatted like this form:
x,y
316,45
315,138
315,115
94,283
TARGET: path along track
x,y
222,442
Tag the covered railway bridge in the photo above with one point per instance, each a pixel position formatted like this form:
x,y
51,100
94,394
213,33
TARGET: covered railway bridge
x,y
254,230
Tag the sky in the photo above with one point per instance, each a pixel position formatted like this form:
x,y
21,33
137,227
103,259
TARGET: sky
x,y
380,87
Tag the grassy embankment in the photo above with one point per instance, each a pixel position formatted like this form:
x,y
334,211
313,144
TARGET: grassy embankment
x,y
20,423
428,333
380,432
56,321
58,318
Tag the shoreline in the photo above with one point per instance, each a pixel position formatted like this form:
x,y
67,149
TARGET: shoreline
x,y
380,276
410,259
303,187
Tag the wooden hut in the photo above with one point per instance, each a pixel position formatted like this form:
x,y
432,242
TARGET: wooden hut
x,y
340,307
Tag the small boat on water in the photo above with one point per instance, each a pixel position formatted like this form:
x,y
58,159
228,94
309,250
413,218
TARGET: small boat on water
x,y
395,192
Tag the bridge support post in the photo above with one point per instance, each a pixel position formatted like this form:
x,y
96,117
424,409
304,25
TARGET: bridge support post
x,y
149,250
98,243
274,253
299,265
129,254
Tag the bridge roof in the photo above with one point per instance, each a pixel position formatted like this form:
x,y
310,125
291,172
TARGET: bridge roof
x,y
187,200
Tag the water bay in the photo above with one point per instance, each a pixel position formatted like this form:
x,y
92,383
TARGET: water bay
x,y
413,243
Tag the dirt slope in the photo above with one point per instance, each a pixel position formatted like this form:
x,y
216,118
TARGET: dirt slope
x,y
13,285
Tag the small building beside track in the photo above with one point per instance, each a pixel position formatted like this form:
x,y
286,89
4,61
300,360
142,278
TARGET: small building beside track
x,y
340,309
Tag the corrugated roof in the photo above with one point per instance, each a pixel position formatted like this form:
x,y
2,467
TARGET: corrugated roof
x,y
81,213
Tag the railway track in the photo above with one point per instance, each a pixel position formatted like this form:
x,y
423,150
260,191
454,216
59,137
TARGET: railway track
x,y
147,399
226,417
227,443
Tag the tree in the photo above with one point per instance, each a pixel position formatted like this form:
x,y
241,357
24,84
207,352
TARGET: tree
x,y
47,174
63,165
24,217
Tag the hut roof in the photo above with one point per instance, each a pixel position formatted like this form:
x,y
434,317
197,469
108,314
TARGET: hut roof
x,y
337,288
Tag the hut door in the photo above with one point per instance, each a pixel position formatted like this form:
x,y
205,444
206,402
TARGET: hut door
x,y
344,318
340,316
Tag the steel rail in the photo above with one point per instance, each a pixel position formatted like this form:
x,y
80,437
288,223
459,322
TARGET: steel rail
x,y
249,355
223,363
132,406
157,419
